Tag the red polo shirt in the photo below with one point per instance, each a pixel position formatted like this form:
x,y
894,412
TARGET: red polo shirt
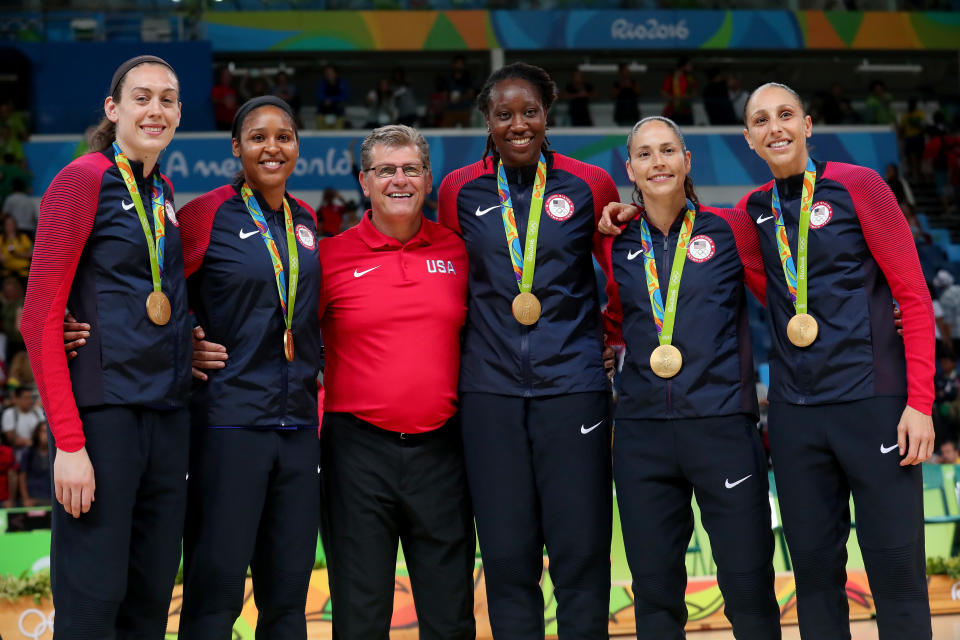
x,y
391,316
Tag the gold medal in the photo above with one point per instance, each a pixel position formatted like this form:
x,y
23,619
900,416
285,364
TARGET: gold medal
x,y
158,308
665,361
526,308
802,330
288,344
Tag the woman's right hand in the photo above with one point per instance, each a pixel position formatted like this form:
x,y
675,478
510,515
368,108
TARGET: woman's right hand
x,y
206,355
73,481
614,214
75,334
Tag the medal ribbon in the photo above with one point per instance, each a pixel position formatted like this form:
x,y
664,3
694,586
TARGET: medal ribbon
x,y
796,276
664,317
286,303
155,237
523,265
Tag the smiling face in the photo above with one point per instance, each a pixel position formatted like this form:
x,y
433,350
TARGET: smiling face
x,y
658,165
399,198
517,122
777,129
147,112
268,148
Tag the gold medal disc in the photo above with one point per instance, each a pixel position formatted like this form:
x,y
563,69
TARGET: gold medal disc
x,y
288,344
526,308
665,361
158,308
802,330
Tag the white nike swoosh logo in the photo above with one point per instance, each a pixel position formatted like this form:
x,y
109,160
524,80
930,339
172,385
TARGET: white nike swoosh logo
x,y
884,449
633,254
357,274
246,234
731,485
126,207
761,219
480,213
585,431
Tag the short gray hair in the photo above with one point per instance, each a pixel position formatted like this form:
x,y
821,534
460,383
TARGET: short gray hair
x,y
393,136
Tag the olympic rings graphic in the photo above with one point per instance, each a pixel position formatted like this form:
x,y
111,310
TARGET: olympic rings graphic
x,y
42,627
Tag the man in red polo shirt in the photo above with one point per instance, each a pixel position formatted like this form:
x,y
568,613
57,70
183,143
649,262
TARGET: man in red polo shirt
x,y
392,304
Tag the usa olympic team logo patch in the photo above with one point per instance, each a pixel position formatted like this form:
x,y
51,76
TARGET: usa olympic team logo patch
x,y
820,214
701,248
171,214
306,238
559,207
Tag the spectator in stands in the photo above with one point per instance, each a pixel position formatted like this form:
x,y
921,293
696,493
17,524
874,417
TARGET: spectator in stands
x,y
913,122
8,477
225,100
946,410
331,210
286,91
21,207
578,95
460,94
379,103
948,453
831,110
437,103
332,94
404,102
254,85
716,99
16,249
35,484
878,107
940,159
20,420
11,308
900,187
10,170
680,89
10,144
626,97
738,97
19,372
950,301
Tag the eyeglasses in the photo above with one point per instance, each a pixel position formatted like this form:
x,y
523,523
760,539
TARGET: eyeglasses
x,y
389,170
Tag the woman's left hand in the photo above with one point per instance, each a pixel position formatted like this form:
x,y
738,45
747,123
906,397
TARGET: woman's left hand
x,y
915,436
206,354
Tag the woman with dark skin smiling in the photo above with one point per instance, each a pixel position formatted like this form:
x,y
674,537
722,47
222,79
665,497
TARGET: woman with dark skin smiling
x,y
253,279
533,393
250,256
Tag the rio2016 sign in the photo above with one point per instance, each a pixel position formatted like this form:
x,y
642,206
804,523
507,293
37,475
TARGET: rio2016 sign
x,y
623,29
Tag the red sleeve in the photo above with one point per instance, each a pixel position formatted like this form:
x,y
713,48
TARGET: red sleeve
x,y
322,299
196,223
604,191
613,312
748,246
889,239
67,214
309,209
450,190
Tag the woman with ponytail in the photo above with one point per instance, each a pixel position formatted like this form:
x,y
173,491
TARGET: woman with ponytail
x,y
533,393
108,245
850,400
254,280
687,410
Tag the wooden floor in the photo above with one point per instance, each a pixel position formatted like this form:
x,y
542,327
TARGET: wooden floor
x,y
944,628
